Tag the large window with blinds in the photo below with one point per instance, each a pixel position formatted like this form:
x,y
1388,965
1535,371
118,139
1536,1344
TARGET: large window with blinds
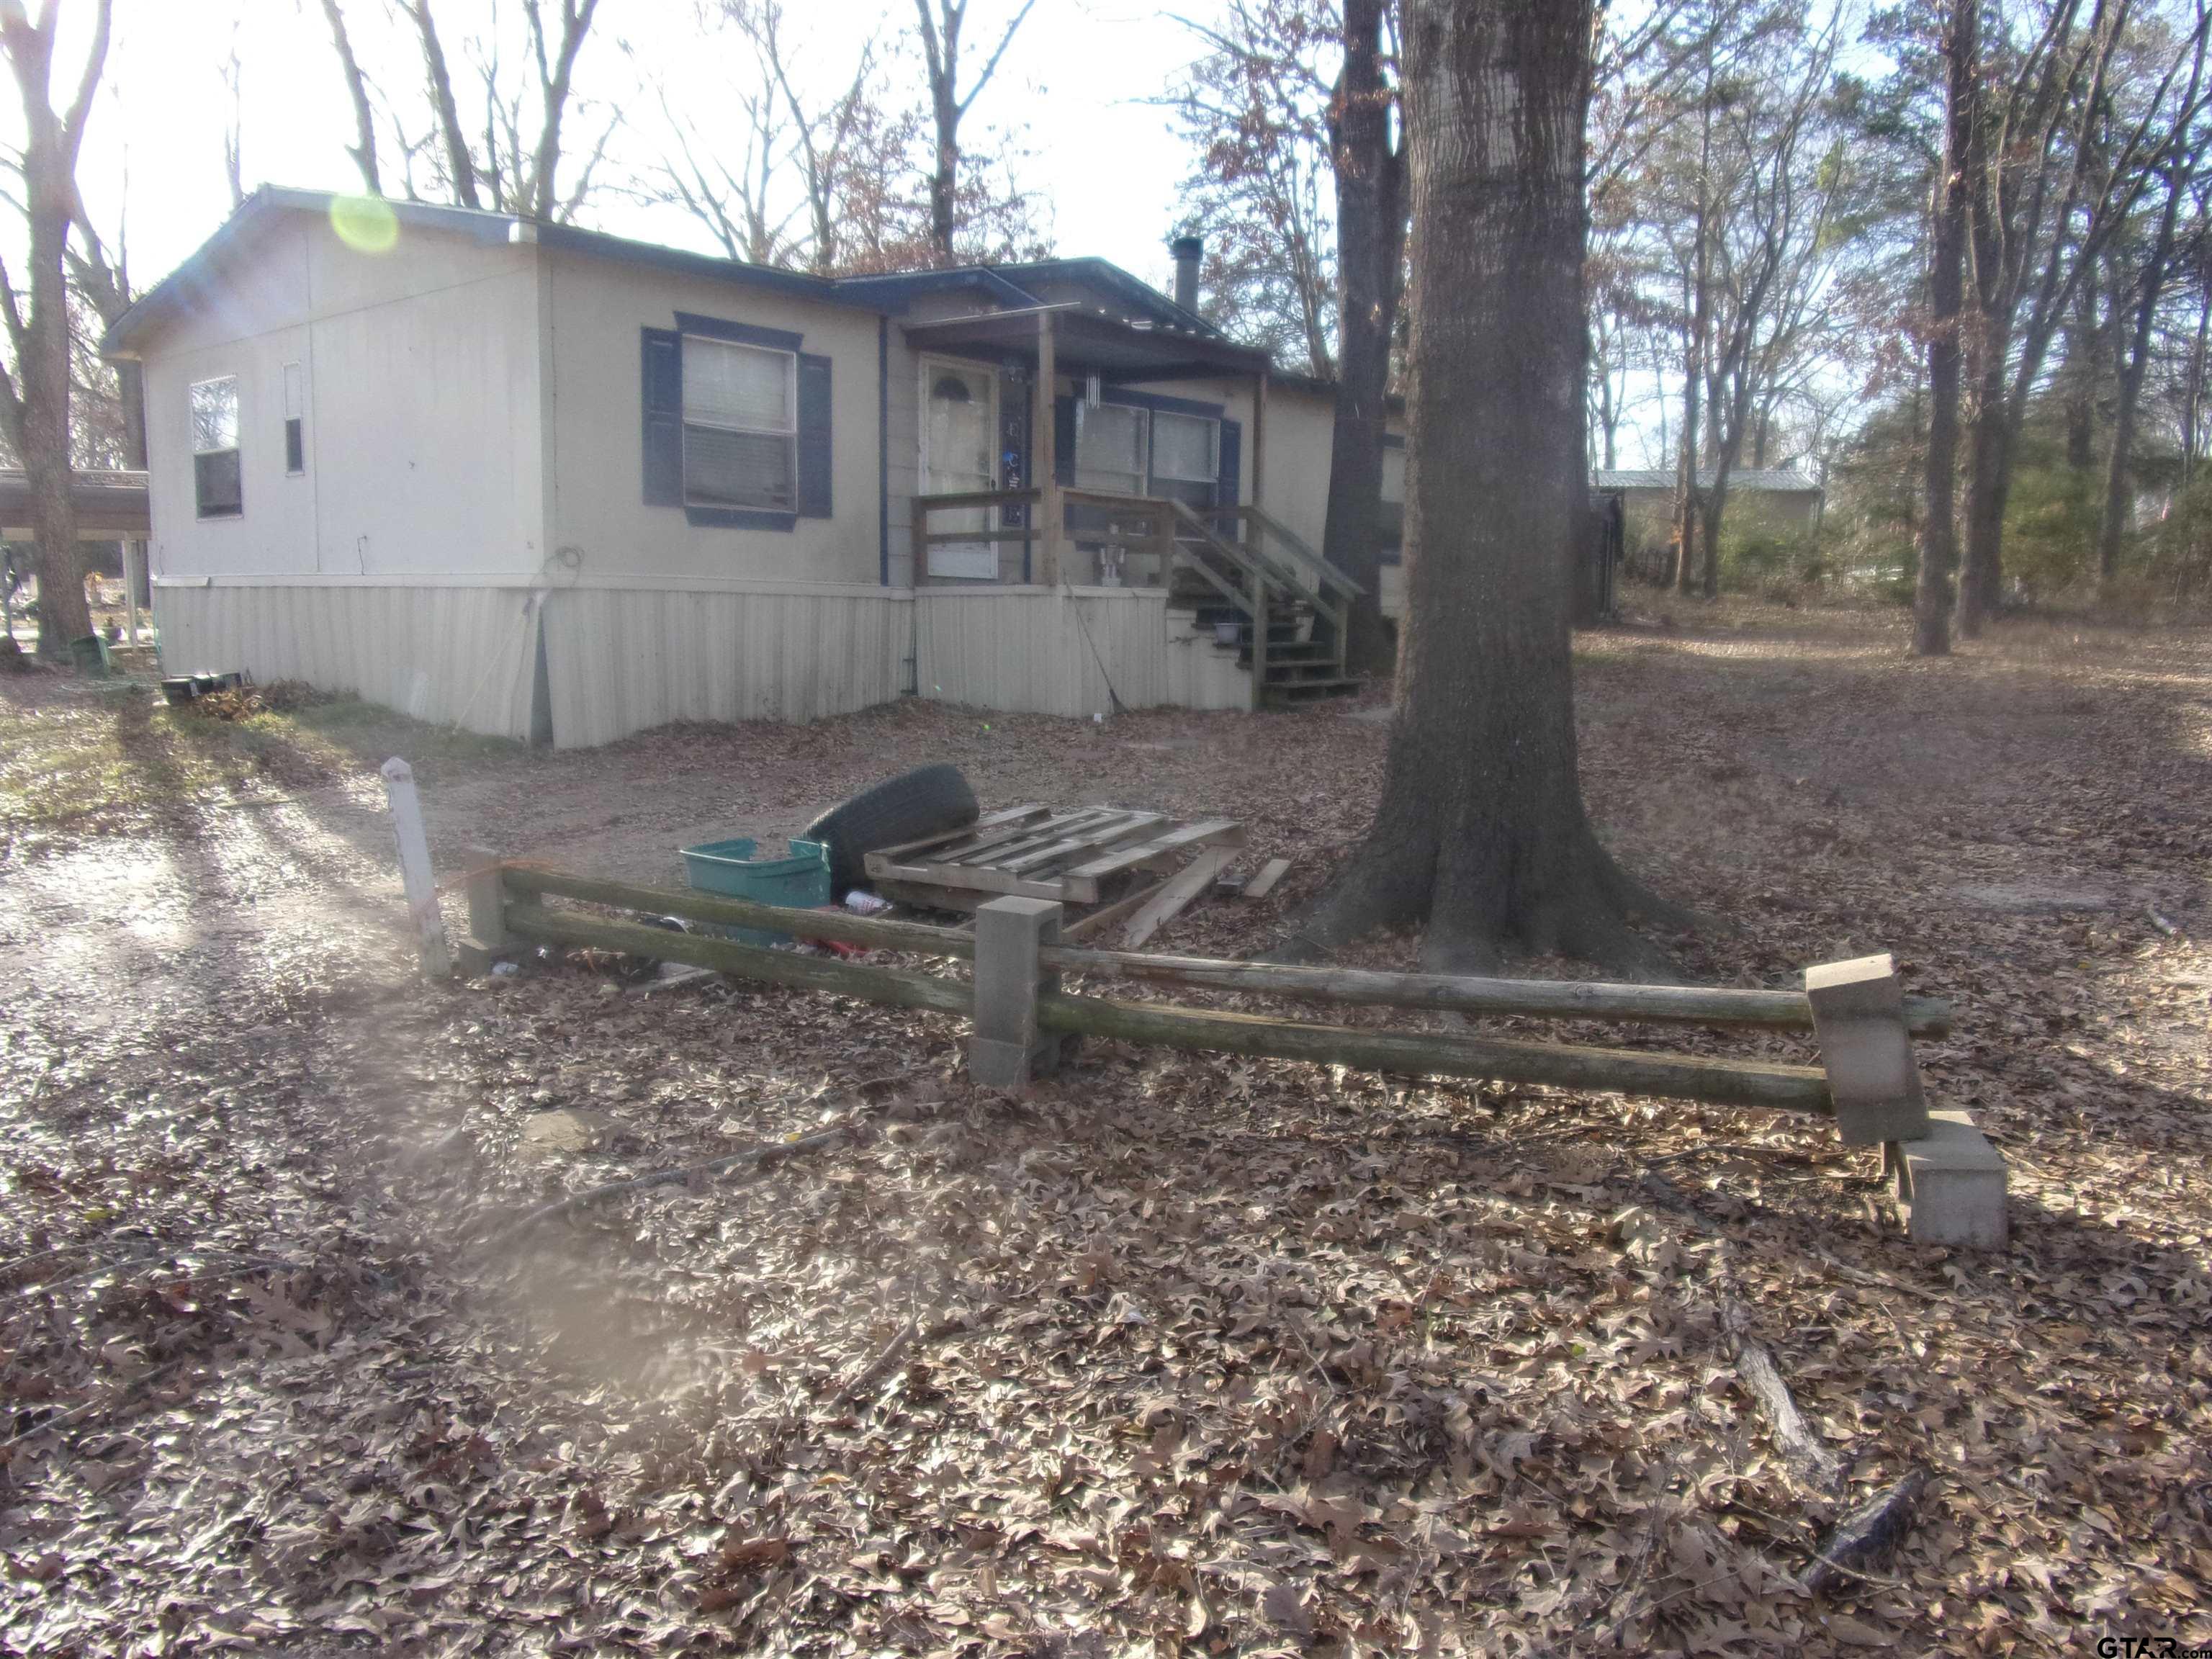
x,y
740,425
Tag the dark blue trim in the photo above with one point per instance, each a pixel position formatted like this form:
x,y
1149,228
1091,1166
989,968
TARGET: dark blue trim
x,y
739,518
883,451
1114,394
1392,440
719,328
1390,556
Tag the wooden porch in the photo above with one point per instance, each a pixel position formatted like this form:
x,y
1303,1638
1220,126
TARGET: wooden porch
x,y
1264,594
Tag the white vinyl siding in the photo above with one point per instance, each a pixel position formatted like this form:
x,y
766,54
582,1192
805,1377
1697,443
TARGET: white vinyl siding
x,y
740,425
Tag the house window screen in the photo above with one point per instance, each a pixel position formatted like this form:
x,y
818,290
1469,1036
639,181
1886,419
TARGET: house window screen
x,y
216,481
740,425
1185,457
1109,449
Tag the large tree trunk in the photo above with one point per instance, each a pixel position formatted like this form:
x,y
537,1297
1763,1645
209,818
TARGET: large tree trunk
x,y
41,335
1989,484
1370,243
1480,832
1933,597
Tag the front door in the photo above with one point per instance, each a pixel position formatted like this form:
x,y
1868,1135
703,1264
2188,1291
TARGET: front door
x,y
959,446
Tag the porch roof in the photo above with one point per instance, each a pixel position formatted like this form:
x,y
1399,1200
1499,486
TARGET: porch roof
x,y
1087,343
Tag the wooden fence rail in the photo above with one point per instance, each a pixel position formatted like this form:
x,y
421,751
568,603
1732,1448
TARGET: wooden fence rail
x,y
1656,1004
1437,1054
1950,1180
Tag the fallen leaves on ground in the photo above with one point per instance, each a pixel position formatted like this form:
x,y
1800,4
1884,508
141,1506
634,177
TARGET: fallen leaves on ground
x,y
1181,1353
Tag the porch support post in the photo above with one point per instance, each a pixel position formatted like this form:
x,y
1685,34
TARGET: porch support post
x,y
1259,441
1043,410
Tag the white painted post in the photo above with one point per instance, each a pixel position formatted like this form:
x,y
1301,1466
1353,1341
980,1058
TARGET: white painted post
x,y
414,868
1006,1049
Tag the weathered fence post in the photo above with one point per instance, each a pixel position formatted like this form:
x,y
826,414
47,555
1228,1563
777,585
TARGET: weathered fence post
x,y
1007,1048
414,868
487,894
1950,1181
1858,1016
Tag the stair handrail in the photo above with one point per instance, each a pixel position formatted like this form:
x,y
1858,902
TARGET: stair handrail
x,y
1300,554
1249,556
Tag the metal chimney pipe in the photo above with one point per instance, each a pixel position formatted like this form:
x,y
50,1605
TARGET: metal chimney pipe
x,y
1188,250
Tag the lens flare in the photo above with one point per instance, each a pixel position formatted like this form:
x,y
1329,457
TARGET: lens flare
x,y
366,224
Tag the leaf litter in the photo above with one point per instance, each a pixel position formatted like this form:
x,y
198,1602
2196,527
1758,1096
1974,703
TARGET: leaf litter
x,y
1180,1353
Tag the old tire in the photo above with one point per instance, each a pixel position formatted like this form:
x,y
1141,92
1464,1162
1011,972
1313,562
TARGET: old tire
x,y
924,802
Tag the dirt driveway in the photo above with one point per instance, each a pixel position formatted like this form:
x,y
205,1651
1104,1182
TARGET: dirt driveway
x,y
1196,1354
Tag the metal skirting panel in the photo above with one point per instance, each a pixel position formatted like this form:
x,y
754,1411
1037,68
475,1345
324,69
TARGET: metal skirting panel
x,y
620,660
451,655
1046,653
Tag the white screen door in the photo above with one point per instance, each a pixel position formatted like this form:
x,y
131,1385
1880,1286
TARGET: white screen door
x,y
959,442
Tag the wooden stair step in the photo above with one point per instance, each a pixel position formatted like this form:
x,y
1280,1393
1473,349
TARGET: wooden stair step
x,y
1305,691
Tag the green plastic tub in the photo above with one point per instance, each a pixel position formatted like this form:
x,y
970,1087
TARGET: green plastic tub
x,y
799,881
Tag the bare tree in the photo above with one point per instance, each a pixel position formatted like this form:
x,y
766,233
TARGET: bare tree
x,y
1934,591
364,112
34,398
2176,169
513,164
102,275
1255,108
1775,250
2047,189
1481,833
234,135
941,22
1369,154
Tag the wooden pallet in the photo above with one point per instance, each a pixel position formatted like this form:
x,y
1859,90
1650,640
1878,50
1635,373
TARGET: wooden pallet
x,y
1081,857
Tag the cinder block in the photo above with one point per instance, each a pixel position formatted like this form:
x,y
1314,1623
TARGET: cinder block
x,y
1951,1184
1858,1017
1006,1049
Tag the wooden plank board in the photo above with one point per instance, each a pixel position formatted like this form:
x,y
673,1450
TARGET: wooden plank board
x,y
1175,894
1106,915
1033,824
981,878
1098,839
1214,832
968,831
932,898
1264,884
978,847
1043,830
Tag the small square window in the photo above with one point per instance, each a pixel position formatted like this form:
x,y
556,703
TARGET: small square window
x,y
215,479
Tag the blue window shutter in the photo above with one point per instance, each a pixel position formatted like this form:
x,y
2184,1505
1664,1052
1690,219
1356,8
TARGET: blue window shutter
x,y
1063,440
813,436
661,377
1232,478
